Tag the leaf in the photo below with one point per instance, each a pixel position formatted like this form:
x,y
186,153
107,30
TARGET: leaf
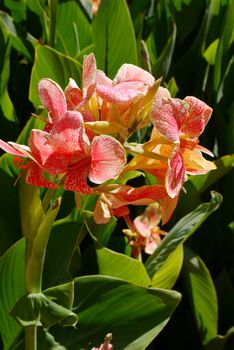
x,y
197,185
38,310
10,228
73,30
23,44
18,10
180,232
12,283
49,63
202,295
163,63
134,315
170,270
63,238
100,233
111,26
111,263
210,53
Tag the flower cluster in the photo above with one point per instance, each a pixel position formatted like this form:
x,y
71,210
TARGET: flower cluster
x,y
84,145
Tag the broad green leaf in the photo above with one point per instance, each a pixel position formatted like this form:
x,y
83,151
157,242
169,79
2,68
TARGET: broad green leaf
x,y
73,31
9,219
113,36
134,315
63,238
62,294
180,232
111,263
222,342
38,310
170,270
49,63
18,9
202,295
12,288
23,44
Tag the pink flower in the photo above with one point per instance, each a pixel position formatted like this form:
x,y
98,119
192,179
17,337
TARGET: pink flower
x,y
64,150
179,123
146,233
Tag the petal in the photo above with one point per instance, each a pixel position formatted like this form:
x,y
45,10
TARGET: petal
x,y
73,94
52,98
122,93
168,205
162,93
34,176
129,72
102,79
175,176
11,150
197,117
141,226
102,212
165,115
76,179
107,159
195,163
68,136
89,72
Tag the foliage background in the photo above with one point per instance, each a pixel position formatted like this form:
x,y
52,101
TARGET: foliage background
x,y
190,44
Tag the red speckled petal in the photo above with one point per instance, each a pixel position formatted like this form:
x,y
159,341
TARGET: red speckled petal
x,y
197,117
34,176
164,117
52,98
107,159
76,179
175,176
89,72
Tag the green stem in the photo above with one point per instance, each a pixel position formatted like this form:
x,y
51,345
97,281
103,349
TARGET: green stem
x,y
31,338
52,21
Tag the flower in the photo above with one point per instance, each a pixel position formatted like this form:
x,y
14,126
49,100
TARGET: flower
x,y
179,123
119,106
144,231
63,153
114,198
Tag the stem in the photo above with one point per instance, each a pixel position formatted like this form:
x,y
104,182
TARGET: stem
x,y
52,21
31,338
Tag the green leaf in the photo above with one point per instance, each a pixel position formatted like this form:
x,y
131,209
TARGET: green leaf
x,y
49,63
222,342
38,310
210,53
12,283
10,228
18,9
100,233
134,315
118,265
170,270
114,38
163,63
180,232
202,295
197,185
23,44
62,294
73,30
